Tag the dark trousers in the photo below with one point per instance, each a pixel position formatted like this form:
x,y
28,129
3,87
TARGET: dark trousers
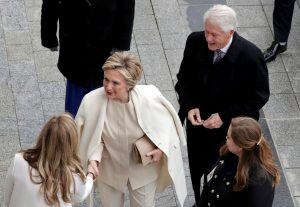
x,y
74,95
203,150
282,19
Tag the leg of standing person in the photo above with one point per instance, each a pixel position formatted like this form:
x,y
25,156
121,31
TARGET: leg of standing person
x,y
109,196
143,196
74,95
282,21
203,151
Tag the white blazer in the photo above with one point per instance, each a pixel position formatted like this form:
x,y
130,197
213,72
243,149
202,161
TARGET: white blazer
x,y
157,118
20,191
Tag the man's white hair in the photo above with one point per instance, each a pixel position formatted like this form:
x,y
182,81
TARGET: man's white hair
x,y
221,15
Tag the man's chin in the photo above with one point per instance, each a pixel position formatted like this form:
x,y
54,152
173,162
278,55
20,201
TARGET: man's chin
x,y
212,47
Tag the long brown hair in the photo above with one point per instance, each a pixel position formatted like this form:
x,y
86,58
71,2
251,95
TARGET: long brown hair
x,y
247,134
54,158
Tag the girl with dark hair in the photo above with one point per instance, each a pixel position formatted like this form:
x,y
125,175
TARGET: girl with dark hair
x,y
245,174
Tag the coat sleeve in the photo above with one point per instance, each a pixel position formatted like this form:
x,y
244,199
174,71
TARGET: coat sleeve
x,y
82,188
184,86
256,93
80,123
49,19
123,24
9,184
80,118
84,140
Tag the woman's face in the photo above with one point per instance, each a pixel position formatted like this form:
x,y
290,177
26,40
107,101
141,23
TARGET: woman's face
x,y
115,86
232,147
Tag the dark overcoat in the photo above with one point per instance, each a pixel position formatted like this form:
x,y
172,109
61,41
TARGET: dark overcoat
x,y
237,85
218,192
88,31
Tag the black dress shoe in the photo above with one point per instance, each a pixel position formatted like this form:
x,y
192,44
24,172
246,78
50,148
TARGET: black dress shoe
x,y
271,53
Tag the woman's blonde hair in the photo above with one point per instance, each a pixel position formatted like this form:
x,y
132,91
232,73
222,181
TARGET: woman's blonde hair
x,y
55,159
247,134
127,64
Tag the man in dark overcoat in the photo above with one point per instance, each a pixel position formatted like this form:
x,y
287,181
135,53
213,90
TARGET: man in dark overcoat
x,y
222,75
89,30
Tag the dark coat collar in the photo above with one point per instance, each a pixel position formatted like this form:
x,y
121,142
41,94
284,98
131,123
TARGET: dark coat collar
x,y
234,49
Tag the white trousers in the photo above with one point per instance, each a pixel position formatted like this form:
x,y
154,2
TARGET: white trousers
x,y
141,197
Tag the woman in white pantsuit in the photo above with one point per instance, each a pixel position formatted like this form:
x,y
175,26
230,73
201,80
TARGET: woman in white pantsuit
x,y
112,118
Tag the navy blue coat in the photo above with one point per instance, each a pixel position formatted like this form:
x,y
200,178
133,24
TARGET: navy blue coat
x,y
88,31
218,192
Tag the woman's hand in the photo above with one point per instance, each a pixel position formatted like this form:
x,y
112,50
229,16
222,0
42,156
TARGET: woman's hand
x,y
93,168
156,155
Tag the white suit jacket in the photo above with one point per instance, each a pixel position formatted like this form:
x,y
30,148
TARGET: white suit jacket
x,y
19,190
157,118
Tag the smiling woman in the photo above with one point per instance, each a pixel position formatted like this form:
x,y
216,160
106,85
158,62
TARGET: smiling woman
x,y
111,120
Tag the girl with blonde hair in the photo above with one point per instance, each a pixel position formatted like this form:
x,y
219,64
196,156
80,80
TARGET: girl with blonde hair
x,y
246,174
50,173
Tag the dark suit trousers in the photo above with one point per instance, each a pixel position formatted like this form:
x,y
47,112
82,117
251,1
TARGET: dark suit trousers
x,y
203,151
282,19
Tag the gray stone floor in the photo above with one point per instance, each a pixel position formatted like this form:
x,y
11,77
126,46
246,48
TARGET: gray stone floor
x,y
32,89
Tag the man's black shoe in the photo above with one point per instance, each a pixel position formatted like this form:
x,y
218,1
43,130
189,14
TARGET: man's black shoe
x,y
195,205
271,53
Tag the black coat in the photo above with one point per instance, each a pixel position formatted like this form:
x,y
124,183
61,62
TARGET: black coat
x,y
88,31
237,85
218,191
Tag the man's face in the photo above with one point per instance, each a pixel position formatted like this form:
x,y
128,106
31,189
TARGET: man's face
x,y
215,37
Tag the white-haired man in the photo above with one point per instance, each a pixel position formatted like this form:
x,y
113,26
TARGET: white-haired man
x,y
222,75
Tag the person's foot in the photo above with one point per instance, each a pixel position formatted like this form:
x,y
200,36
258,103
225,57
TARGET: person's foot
x,y
195,205
271,53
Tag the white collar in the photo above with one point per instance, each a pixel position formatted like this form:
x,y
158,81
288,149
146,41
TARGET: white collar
x,y
224,49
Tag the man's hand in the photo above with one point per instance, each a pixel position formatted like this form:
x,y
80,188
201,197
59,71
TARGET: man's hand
x,y
93,167
213,122
156,155
194,117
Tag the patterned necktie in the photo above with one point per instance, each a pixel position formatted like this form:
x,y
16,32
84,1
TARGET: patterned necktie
x,y
218,56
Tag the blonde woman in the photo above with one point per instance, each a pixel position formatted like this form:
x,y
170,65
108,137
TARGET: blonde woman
x,y
50,173
246,174
111,119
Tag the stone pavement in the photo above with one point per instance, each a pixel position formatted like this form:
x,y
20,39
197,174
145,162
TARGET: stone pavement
x,y
32,89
